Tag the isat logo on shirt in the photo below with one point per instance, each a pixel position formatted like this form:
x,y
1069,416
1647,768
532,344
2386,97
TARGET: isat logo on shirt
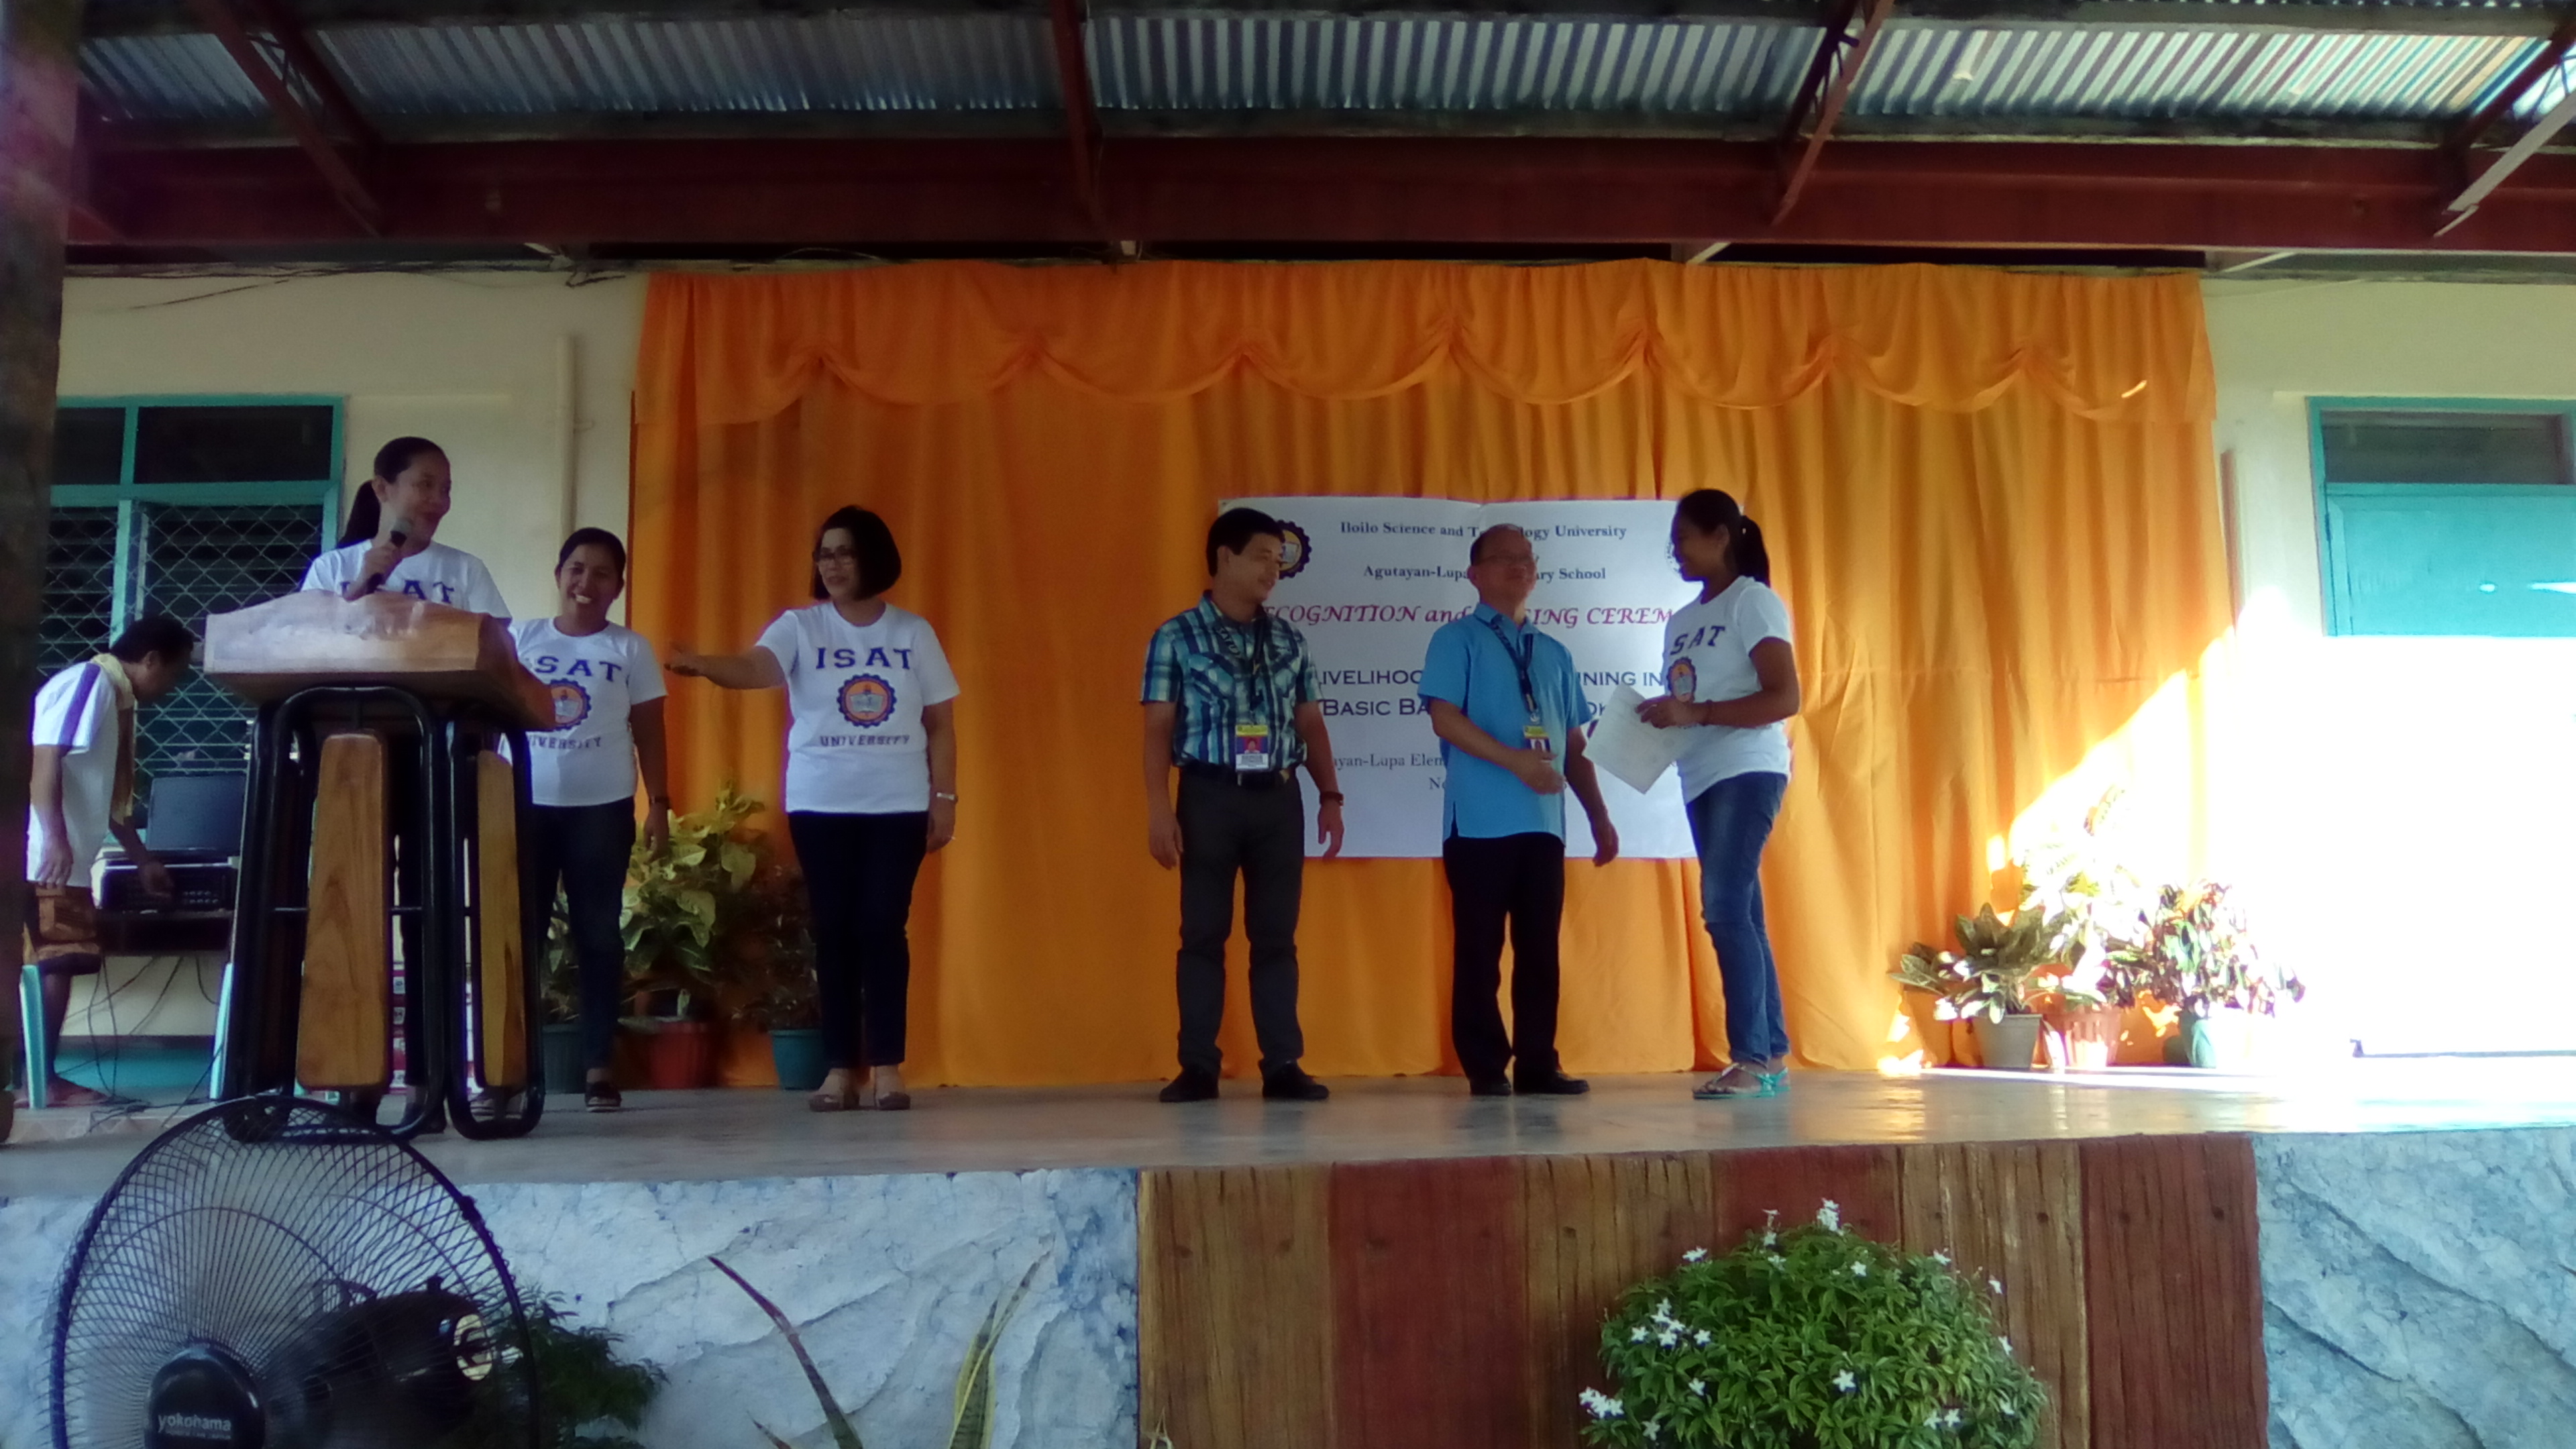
x,y
572,703
1682,680
867,701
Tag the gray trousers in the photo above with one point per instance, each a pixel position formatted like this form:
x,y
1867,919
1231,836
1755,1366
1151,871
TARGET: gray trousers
x,y
1227,829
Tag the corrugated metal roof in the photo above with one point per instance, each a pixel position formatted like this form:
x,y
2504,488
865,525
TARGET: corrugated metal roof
x,y
2010,74
2036,72
1322,63
750,65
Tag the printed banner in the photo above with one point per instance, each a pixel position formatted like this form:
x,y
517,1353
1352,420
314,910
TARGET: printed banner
x,y
1368,580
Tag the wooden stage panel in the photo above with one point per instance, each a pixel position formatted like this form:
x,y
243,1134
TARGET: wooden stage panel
x,y
1593,1226
1457,1301
2013,1212
1795,1182
2173,1293
1430,1304
1234,1305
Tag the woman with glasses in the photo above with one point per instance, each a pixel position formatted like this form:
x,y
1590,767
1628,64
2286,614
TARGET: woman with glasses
x,y
871,787
1731,680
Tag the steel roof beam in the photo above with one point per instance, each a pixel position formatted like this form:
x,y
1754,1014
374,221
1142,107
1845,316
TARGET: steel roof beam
x,y
1551,191
225,24
1081,115
146,17
1840,54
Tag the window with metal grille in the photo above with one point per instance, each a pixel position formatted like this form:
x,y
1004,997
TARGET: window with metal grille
x,y
189,507
2449,518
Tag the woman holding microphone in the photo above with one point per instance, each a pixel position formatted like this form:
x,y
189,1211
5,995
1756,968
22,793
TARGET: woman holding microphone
x,y
1731,680
871,787
391,542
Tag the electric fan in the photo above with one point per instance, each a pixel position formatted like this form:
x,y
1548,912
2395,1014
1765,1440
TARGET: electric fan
x,y
275,1274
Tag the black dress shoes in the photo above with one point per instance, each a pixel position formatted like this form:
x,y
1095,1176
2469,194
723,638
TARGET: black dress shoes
x,y
1291,1084
1554,1084
1489,1087
1194,1084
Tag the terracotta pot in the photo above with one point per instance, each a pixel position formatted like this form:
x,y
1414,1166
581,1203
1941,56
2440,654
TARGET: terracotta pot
x,y
2009,1045
2083,1039
680,1056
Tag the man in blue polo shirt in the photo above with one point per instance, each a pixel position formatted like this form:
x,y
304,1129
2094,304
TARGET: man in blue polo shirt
x,y
1508,707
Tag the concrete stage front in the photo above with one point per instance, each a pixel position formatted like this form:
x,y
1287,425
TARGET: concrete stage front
x,y
2369,1253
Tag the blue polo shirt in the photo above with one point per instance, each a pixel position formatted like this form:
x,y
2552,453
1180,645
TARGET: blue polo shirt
x,y
1471,666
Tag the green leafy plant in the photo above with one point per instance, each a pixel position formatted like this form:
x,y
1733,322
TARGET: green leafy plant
x,y
768,955
677,901
2193,950
1992,973
2075,876
972,1427
1812,1337
589,1396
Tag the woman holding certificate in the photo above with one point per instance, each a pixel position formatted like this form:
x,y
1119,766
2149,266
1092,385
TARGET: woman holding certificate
x,y
1731,680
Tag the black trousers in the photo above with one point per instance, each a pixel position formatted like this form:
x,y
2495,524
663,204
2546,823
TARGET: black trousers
x,y
859,872
584,849
1519,879
1260,834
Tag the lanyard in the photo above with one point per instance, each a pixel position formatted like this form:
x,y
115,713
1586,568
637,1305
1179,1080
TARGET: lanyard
x,y
1259,677
1521,658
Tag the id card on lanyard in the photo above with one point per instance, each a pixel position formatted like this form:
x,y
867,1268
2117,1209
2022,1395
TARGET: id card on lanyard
x,y
1534,735
1254,752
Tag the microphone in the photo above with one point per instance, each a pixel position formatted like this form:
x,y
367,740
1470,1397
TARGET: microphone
x,y
376,580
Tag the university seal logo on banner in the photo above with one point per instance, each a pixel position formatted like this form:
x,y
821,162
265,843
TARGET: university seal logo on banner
x,y
1295,547
572,703
867,701
1681,680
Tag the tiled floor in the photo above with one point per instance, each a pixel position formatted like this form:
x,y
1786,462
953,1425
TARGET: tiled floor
x,y
748,1134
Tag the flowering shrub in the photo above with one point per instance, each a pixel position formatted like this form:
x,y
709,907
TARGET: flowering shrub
x,y
1812,1338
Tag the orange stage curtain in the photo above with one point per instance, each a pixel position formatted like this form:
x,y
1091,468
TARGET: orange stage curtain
x,y
1989,498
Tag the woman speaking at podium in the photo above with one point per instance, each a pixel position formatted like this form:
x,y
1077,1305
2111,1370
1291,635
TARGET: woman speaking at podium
x,y
871,786
391,542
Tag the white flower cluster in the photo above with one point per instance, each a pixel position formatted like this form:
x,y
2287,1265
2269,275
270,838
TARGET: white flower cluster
x,y
1602,1406
1830,1216
1846,1382
1695,1255
1943,1419
1666,1330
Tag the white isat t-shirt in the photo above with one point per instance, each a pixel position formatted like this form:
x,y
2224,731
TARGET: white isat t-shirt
x,y
437,573
855,745
76,713
1708,658
597,680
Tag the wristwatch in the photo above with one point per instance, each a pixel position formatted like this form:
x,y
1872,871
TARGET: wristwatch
x,y
943,795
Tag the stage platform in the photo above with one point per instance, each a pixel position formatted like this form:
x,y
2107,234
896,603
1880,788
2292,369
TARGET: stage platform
x,y
2361,1253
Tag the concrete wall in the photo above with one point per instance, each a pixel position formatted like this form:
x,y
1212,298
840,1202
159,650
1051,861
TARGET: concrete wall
x,y
2404,808
471,360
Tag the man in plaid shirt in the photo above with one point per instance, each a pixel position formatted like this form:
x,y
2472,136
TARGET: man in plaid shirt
x,y
1231,700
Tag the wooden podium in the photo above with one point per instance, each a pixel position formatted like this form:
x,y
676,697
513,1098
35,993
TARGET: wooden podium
x,y
380,803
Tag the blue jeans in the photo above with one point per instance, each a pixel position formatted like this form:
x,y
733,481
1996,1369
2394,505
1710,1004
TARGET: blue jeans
x,y
1729,823
585,848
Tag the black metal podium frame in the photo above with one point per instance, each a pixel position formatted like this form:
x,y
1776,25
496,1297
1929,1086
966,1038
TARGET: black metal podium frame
x,y
432,756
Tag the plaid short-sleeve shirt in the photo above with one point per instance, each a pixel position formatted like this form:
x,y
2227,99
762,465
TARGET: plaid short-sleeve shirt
x,y
1220,672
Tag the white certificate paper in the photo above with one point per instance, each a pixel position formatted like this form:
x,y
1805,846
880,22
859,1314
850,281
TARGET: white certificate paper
x,y
1628,747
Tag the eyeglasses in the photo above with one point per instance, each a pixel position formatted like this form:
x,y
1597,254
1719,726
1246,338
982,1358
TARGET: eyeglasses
x,y
836,555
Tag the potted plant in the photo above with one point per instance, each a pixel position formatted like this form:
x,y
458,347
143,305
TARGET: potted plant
x,y
2192,950
1812,1335
772,972
1989,981
2076,875
676,901
563,1064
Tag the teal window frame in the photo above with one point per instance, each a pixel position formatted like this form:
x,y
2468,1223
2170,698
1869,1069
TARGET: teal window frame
x,y
124,495
2339,604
